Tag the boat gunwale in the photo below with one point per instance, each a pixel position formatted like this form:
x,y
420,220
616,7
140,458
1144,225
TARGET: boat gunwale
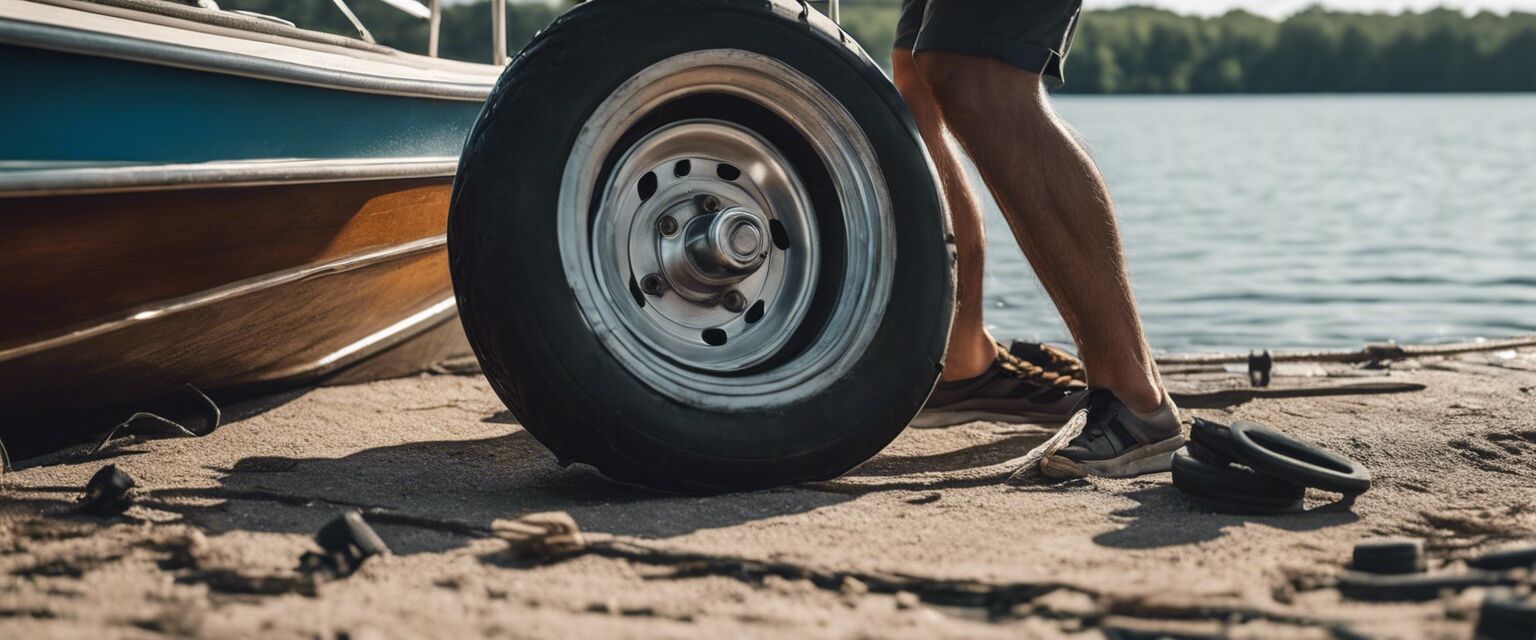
x,y
22,31
74,180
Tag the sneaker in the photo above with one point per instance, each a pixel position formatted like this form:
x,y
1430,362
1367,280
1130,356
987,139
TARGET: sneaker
x,y
1053,359
1117,443
1010,390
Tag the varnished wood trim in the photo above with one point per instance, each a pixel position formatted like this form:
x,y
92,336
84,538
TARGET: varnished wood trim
x,y
221,294
383,338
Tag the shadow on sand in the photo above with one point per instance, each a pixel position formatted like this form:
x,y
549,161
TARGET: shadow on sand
x,y
1164,517
465,482
468,484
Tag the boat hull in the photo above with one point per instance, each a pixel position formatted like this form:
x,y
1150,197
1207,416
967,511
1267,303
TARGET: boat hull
x,y
132,295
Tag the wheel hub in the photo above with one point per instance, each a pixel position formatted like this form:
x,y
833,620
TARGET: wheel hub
x,y
713,253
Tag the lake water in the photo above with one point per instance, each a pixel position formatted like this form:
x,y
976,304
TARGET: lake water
x,y
1317,221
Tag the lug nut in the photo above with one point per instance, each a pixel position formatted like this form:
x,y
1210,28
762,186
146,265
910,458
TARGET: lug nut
x,y
652,284
734,301
711,204
667,225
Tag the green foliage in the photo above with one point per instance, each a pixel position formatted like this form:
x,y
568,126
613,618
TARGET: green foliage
x,y
1127,50
1142,50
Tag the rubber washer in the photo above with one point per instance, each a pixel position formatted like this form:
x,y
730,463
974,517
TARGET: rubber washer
x,y
1231,489
1389,556
1273,453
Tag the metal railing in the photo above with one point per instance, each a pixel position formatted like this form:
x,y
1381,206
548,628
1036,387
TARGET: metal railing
x,y
433,14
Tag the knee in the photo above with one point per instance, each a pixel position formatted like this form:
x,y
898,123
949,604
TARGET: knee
x,y
946,74
964,84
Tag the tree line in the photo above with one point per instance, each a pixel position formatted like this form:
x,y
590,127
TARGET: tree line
x,y
1128,50
1139,50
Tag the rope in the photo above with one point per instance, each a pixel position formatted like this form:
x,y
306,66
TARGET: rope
x,y
1371,352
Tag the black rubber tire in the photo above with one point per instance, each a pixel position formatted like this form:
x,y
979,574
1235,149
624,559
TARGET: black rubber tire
x,y
540,352
1211,442
1231,489
1273,453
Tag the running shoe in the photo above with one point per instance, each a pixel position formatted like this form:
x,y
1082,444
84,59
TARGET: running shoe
x,y
1116,442
1010,390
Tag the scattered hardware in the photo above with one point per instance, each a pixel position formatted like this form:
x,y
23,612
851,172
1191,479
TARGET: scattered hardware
x,y
1392,556
540,536
1249,468
347,541
108,493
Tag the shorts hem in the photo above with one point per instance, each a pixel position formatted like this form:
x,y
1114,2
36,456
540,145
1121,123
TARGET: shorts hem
x,y
1029,57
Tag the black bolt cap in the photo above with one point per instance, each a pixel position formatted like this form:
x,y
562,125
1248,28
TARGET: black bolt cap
x,y
1389,556
107,493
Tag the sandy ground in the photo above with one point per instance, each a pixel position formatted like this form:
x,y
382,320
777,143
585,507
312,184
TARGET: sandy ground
x,y
924,541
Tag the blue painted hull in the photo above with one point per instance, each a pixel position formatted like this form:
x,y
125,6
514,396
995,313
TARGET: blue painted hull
x,y
72,107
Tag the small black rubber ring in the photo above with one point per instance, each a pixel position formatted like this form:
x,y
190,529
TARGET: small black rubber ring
x,y
1273,453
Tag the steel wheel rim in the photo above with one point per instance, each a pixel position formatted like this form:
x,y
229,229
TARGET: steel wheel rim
x,y
685,167
606,230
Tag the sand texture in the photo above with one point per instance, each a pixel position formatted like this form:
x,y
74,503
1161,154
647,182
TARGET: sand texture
x,y
924,541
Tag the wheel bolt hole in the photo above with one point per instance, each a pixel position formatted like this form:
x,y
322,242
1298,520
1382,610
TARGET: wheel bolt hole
x,y
647,185
779,233
634,290
682,168
727,171
755,313
714,337
652,284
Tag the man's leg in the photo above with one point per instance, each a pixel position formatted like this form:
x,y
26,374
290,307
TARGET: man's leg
x,y
971,348
1059,210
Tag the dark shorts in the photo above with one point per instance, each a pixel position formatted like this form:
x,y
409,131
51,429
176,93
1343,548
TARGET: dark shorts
x,y
1033,35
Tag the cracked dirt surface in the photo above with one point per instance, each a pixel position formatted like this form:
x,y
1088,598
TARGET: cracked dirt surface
x,y
924,541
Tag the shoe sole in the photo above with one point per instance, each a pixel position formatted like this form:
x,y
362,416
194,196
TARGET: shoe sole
x,y
938,419
1152,458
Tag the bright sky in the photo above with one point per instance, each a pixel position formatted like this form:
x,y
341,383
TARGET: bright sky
x,y
1280,8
